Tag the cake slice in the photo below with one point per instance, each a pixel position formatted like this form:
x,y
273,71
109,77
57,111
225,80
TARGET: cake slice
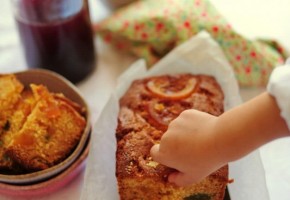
x,y
10,93
10,100
50,133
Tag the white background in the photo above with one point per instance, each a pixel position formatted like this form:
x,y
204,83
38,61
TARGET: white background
x,y
251,18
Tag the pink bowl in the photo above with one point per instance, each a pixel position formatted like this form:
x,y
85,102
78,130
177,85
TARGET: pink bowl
x,y
49,185
48,180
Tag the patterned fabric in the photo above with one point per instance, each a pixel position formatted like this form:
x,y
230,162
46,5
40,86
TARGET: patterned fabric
x,y
151,28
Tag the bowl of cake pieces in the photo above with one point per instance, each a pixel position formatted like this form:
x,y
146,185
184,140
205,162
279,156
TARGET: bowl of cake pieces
x,y
44,132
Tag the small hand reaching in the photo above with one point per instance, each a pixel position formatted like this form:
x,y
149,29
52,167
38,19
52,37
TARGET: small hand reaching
x,y
189,147
196,143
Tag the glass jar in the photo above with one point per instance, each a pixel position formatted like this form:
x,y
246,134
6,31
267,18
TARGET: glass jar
x,y
57,35
114,4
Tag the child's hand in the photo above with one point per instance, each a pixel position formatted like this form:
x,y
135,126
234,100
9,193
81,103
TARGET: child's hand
x,y
196,143
189,147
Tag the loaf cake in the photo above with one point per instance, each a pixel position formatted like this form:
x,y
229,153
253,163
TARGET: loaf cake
x,y
39,129
146,109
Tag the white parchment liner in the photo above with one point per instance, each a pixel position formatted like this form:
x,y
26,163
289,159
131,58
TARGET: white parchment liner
x,y
200,55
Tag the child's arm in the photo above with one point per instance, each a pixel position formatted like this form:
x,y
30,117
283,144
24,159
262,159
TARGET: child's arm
x,y
196,143
251,125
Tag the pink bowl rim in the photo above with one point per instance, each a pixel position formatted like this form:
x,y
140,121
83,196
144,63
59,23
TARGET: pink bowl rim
x,y
51,185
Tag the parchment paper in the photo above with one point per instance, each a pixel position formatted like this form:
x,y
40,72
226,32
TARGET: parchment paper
x,y
199,55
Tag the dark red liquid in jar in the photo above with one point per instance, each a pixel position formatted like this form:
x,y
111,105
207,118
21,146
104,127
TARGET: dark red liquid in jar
x,y
60,43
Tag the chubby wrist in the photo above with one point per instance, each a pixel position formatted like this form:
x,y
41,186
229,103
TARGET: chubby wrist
x,y
219,144
231,138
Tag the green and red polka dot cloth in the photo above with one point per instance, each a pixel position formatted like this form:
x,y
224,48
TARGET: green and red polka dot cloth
x,y
151,28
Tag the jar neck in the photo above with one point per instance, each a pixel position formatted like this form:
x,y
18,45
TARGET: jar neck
x,y
43,11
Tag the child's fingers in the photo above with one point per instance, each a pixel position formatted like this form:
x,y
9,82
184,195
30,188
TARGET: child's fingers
x,y
161,157
180,179
155,154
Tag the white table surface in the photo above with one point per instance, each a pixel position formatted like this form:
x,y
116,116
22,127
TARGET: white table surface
x,y
252,18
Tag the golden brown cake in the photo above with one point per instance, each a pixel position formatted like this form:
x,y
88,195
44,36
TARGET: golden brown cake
x,y
10,93
49,134
41,129
10,96
146,109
